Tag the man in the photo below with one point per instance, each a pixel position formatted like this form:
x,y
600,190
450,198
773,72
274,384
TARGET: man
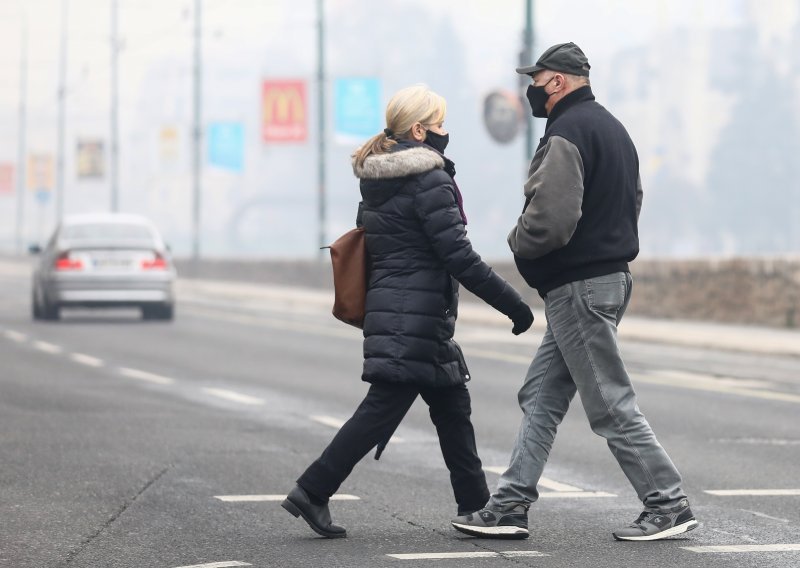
x,y
572,243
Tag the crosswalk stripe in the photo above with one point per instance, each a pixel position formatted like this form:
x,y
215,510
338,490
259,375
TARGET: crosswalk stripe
x,y
218,564
754,492
745,548
457,555
262,498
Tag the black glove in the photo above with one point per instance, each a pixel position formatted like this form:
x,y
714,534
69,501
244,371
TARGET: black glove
x,y
522,318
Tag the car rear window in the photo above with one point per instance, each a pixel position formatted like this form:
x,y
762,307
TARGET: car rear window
x,y
108,231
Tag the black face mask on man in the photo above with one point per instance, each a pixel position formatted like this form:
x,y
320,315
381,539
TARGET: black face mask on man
x,y
537,96
437,141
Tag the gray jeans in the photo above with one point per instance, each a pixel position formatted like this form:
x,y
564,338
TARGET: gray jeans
x,y
579,352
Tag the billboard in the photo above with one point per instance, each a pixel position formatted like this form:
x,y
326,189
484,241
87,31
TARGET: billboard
x,y
89,160
226,145
168,145
284,112
6,177
358,113
41,172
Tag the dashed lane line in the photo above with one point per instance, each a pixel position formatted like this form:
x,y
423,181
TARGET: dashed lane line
x,y
233,396
558,489
461,555
336,423
145,376
262,498
48,347
87,360
745,548
218,564
15,336
753,492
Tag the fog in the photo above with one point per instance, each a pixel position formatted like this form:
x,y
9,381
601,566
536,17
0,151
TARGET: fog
x,y
708,91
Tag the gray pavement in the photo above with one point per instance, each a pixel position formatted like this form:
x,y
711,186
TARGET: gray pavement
x,y
117,437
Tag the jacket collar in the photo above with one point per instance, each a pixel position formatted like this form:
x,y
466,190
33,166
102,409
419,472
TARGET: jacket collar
x,y
404,159
579,95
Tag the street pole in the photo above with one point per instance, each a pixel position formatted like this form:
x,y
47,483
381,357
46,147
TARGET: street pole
x,y
62,95
21,132
321,131
527,59
114,118
197,131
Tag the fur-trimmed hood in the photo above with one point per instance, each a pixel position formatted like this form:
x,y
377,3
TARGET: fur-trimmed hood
x,y
399,163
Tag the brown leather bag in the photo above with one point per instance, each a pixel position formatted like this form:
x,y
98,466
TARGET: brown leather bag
x,y
349,260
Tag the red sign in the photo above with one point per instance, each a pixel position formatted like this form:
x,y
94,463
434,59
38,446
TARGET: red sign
x,y
284,111
6,178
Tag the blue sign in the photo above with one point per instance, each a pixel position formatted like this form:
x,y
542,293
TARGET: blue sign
x,y
358,112
226,145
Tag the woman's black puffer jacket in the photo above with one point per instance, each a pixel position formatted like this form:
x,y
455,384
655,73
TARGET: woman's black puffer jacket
x,y
419,250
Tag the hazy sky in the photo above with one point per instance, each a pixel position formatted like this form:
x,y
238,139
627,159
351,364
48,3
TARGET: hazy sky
x,y
462,48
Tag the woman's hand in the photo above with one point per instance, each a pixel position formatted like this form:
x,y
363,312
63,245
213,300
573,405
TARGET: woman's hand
x,y
522,318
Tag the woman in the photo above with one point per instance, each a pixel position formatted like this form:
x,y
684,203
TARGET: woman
x,y
414,221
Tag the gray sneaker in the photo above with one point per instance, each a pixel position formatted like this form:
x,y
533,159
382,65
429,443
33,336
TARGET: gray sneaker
x,y
655,526
487,523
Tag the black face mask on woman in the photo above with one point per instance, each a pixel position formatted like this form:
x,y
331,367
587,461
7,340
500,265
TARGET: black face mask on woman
x,y
437,141
537,96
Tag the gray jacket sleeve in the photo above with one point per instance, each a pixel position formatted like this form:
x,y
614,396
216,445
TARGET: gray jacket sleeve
x,y
555,193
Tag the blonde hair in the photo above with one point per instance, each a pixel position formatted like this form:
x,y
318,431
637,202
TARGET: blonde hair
x,y
406,108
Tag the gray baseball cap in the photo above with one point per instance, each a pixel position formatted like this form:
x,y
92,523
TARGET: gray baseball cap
x,y
564,57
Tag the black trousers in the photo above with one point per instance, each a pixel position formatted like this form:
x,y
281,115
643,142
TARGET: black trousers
x,y
376,418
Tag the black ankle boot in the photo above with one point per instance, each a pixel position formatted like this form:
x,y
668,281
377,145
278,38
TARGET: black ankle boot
x,y
318,517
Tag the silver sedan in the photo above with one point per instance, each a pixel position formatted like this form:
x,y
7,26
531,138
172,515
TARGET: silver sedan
x,y
104,260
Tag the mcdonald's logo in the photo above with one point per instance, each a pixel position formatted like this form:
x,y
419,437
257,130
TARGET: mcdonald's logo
x,y
284,111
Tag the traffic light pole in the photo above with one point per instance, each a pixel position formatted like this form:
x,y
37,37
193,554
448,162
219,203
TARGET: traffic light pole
x,y
527,59
21,132
321,132
197,132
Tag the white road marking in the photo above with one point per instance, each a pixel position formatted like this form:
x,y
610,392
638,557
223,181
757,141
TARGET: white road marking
x,y
261,498
755,492
543,481
15,336
217,564
87,360
234,396
336,423
745,548
145,376
765,516
457,555
674,379
47,347
703,384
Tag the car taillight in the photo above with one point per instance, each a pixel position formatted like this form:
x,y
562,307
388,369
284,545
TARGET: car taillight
x,y
156,263
64,262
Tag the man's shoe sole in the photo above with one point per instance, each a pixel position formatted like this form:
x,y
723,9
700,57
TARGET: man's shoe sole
x,y
298,512
677,529
507,532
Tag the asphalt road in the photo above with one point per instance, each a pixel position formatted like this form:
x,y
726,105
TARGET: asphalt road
x,y
118,437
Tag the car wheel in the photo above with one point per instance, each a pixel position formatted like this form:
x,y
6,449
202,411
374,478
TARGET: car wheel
x,y
50,311
36,310
159,312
